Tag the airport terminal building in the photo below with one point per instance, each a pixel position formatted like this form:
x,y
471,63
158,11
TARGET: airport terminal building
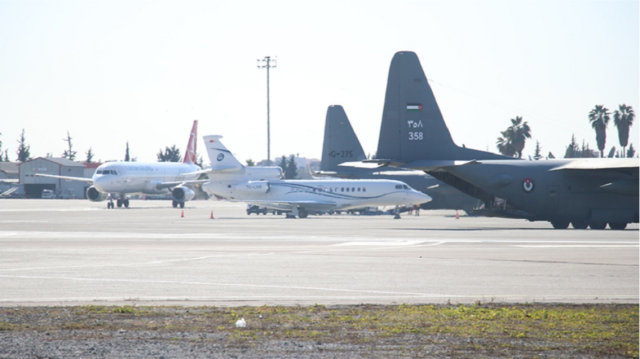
x,y
33,185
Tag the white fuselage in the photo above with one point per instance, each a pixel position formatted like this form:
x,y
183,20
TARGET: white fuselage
x,y
137,177
318,194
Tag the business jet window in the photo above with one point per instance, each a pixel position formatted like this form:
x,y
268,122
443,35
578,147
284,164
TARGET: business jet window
x,y
353,189
358,189
364,189
342,189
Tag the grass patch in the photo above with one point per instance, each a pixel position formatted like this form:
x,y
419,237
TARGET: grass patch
x,y
532,329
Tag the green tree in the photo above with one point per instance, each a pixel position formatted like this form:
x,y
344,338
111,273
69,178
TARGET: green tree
x,y
623,119
537,154
23,151
631,151
250,163
512,141
127,157
573,151
89,156
69,153
283,164
292,168
599,118
170,154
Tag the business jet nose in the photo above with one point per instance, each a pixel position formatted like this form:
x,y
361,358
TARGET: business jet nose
x,y
419,197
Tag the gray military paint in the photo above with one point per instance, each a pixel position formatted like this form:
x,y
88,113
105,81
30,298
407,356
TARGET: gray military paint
x,y
342,145
420,139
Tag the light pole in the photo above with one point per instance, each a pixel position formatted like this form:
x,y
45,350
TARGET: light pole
x,y
268,63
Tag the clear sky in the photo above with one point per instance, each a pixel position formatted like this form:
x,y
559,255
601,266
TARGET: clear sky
x,y
118,71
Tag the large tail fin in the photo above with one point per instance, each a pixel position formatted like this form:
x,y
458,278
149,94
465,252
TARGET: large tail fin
x,y
220,157
190,153
340,141
412,124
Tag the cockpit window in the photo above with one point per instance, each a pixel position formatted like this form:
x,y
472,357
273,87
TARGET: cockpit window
x,y
405,186
100,172
398,186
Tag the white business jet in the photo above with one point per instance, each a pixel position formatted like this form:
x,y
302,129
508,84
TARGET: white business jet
x,y
118,179
264,186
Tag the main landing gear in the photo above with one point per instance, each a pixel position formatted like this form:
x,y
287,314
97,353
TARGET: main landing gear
x,y
583,224
119,203
175,204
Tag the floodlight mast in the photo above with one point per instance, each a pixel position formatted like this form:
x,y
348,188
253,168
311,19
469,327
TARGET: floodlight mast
x,y
268,63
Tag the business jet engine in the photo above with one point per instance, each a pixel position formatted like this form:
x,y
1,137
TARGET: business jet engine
x,y
96,196
182,194
254,187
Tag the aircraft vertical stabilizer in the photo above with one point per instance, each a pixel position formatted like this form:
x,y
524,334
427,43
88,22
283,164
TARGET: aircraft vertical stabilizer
x,y
190,153
412,125
340,141
220,157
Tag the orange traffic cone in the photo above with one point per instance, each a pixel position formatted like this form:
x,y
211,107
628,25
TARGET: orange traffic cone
x,y
211,214
182,215
457,216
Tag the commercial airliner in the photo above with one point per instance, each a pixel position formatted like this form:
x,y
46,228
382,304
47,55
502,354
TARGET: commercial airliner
x,y
119,179
229,179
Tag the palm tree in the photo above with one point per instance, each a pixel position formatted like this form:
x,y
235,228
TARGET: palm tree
x,y
513,139
623,119
599,118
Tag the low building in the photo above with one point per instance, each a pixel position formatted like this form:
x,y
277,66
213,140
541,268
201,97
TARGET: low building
x,y
33,185
8,175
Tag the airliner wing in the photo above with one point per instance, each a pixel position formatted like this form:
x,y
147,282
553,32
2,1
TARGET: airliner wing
x,y
183,183
9,180
67,178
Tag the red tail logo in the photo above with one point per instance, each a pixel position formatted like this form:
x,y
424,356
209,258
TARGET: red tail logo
x,y
190,153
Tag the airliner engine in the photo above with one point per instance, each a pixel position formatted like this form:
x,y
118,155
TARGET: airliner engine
x,y
96,196
182,194
253,187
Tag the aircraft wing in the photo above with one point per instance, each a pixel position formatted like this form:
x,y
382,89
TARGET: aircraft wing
x,y
9,180
178,183
310,205
600,164
67,178
213,171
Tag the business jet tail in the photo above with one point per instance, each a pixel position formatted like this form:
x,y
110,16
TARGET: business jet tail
x,y
190,152
220,157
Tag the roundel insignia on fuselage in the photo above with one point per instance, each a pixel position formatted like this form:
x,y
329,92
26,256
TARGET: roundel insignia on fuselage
x,y
527,185
220,157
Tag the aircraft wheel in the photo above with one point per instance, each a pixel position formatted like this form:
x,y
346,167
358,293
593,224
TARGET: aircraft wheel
x,y
119,203
580,224
181,204
174,204
126,203
560,224
597,225
302,213
618,226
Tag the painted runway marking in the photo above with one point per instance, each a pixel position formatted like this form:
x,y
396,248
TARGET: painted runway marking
x,y
109,280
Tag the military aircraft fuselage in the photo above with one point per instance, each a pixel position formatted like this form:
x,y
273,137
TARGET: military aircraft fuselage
x,y
550,192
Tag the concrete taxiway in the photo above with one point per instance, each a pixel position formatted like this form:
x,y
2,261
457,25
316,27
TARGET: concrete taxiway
x,y
57,252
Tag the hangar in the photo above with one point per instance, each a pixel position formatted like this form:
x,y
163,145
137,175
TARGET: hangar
x,y
33,185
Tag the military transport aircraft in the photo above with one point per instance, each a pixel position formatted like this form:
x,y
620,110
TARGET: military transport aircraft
x,y
118,179
583,192
342,145
264,186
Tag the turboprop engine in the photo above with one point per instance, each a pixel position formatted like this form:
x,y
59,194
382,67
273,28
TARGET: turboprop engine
x,y
253,187
182,194
96,196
